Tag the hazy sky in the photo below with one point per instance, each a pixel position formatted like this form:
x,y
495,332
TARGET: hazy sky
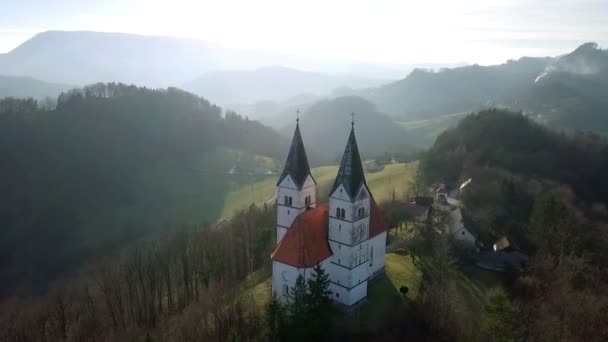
x,y
481,31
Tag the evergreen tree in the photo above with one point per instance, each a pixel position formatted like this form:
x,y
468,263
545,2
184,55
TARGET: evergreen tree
x,y
500,318
319,303
274,320
298,309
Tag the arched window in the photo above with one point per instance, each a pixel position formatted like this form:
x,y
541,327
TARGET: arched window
x,y
338,212
371,256
290,201
343,212
285,201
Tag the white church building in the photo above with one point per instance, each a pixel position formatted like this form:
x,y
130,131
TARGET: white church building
x,y
347,236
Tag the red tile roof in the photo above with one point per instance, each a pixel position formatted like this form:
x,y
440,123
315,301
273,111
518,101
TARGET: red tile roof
x,y
377,224
305,243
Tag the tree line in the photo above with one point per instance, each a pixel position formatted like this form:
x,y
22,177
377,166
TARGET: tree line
x,y
545,191
186,286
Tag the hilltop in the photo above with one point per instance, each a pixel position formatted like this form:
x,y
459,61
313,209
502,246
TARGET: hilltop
x,y
326,124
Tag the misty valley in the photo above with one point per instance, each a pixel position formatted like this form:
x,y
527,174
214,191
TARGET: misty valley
x,y
172,189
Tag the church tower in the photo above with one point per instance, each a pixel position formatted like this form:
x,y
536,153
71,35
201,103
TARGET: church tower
x,y
296,188
348,227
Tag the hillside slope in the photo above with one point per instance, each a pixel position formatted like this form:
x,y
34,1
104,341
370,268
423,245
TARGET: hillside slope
x,y
326,124
110,165
22,87
567,92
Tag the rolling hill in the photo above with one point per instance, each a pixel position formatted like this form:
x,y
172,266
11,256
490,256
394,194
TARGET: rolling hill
x,y
110,165
325,126
21,87
270,84
567,92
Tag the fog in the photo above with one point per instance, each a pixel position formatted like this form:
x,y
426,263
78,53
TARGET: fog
x,y
381,32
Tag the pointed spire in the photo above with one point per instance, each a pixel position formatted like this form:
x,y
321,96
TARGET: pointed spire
x,y
296,165
351,174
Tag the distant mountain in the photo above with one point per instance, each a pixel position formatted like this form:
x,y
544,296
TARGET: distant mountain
x,y
85,57
270,84
426,93
22,87
326,124
88,57
567,92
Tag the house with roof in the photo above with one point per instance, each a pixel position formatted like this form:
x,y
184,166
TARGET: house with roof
x,y
460,225
346,236
462,228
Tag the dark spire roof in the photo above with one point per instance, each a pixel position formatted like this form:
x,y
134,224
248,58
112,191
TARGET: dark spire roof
x,y
351,171
297,163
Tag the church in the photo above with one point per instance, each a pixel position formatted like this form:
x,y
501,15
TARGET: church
x,y
346,236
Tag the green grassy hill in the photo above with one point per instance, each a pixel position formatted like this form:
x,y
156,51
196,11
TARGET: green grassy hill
x,y
394,176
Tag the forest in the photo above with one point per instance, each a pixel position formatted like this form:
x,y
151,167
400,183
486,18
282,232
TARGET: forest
x,y
546,192
195,282
108,165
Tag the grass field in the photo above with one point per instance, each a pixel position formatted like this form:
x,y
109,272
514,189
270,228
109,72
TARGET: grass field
x,y
385,303
384,298
442,121
396,176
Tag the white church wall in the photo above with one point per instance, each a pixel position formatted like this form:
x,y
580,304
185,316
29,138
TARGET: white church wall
x,y
284,276
281,231
286,213
348,256
341,275
346,296
340,194
377,253
286,216
346,232
464,236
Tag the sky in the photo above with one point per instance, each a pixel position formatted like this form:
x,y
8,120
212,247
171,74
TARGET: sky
x,y
377,31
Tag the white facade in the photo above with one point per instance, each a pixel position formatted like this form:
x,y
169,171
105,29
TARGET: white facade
x,y
292,201
458,230
284,277
348,236
377,254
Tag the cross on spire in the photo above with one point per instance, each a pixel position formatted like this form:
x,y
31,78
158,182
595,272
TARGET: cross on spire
x,y
297,116
352,121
